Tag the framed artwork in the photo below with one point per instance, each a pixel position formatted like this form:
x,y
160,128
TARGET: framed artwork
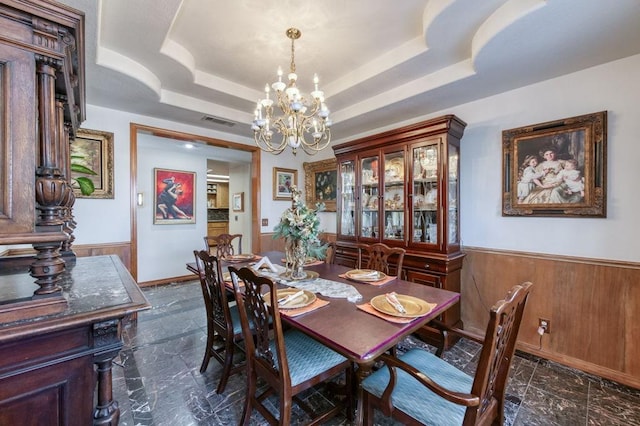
x,y
93,149
283,179
237,202
174,197
556,168
321,183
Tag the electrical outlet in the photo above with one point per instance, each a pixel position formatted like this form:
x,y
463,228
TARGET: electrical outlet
x,y
544,324
265,222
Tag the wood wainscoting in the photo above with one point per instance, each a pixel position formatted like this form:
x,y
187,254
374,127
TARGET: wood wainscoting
x,y
593,307
122,250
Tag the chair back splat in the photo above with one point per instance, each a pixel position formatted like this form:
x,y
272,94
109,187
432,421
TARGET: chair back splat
x,y
222,245
420,388
289,362
223,321
378,257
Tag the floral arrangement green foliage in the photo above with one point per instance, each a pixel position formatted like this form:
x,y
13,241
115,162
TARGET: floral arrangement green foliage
x,y
84,183
299,222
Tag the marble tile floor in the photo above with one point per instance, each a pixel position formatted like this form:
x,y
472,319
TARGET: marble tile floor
x,y
157,380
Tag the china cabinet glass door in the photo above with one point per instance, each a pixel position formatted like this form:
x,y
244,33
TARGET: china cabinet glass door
x,y
348,199
453,194
369,198
424,209
394,193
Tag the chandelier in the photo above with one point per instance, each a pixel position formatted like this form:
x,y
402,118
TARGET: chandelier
x,y
304,122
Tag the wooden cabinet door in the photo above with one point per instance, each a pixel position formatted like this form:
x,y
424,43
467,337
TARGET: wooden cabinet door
x,y
17,137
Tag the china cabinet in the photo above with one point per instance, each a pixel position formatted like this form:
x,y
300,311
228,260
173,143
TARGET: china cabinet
x,y
401,188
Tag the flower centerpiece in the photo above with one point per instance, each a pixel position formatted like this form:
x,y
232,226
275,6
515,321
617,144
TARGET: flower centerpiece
x,y
299,226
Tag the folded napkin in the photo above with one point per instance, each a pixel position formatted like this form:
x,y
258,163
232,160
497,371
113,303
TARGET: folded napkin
x,y
392,298
376,283
365,275
318,303
371,310
265,263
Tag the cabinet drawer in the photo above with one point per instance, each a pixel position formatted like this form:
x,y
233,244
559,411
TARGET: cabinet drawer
x,y
426,279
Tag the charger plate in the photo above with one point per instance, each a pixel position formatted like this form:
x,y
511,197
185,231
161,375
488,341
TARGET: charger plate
x,y
301,301
310,275
361,275
240,257
415,307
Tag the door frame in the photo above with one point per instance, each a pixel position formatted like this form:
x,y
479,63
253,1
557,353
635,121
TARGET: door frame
x,y
182,137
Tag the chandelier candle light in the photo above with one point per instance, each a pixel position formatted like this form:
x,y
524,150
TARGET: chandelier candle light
x,y
304,122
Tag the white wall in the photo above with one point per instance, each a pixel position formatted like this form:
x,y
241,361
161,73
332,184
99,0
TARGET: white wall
x,y
240,222
163,250
614,87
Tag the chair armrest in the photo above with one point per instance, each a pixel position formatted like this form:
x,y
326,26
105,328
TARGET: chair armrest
x,y
392,363
445,330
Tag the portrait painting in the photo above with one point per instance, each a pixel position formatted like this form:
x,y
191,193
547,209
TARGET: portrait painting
x,y
283,179
321,183
174,197
556,168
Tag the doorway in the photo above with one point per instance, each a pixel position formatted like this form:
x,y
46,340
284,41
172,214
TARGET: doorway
x,y
138,130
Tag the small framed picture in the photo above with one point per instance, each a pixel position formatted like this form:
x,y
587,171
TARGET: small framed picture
x,y
557,168
283,180
237,202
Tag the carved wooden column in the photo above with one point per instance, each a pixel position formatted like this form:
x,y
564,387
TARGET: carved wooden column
x,y
51,186
106,336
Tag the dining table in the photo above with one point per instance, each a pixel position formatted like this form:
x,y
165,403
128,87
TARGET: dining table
x,y
344,325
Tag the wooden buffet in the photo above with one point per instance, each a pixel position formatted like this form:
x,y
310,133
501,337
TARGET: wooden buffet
x,y
401,188
60,317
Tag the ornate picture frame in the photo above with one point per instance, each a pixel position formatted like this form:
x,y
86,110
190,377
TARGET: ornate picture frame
x,y
283,179
94,150
321,183
557,168
174,197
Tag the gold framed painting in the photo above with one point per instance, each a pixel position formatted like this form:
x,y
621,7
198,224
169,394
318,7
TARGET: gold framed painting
x,y
93,150
557,168
321,183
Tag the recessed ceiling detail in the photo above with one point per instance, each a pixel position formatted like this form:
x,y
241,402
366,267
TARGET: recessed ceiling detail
x,y
380,62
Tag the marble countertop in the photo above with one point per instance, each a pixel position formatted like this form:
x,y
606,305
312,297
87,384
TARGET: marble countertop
x,y
94,287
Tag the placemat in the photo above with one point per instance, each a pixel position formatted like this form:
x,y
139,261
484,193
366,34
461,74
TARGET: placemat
x,y
375,283
319,303
371,310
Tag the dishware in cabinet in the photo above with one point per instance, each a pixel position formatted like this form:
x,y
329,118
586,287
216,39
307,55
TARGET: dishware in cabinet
x,y
406,195
369,197
347,199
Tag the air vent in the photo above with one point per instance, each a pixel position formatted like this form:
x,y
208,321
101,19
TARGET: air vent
x,y
218,120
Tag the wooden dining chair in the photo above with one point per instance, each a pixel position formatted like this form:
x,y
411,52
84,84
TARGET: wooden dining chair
x,y
222,245
420,388
330,256
288,362
224,330
377,256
